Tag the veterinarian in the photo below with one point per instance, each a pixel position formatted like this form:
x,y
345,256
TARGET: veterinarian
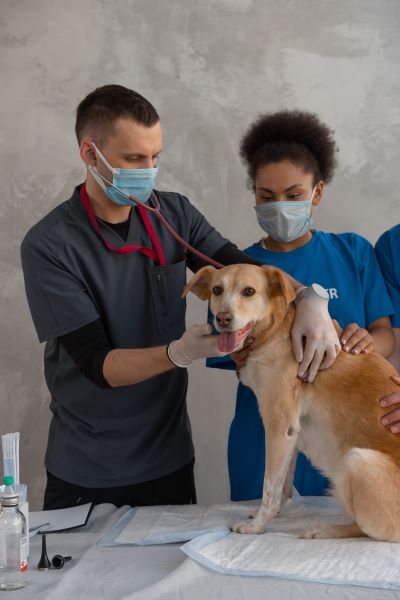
x,y
290,157
104,280
387,250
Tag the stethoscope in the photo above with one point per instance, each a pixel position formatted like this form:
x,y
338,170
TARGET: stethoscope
x,y
156,210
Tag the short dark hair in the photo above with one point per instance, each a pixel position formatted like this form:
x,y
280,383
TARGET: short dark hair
x,y
97,113
293,135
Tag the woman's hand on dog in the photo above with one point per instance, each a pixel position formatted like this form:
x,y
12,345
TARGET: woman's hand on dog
x,y
392,419
240,357
355,339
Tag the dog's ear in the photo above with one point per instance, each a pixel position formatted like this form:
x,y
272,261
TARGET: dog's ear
x,y
278,285
200,283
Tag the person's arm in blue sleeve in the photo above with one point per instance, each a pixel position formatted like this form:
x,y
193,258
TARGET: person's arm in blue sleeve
x,y
378,305
387,251
378,335
387,257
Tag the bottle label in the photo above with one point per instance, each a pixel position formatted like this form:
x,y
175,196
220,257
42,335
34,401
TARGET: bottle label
x,y
23,546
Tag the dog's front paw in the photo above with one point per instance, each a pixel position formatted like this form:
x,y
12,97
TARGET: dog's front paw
x,y
249,526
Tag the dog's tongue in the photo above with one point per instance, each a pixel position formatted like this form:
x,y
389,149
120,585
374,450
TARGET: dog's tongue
x,y
228,340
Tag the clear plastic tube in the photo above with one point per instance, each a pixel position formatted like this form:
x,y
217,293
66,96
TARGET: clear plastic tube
x,y
10,447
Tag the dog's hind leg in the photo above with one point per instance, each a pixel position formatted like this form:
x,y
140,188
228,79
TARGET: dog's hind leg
x,y
367,482
332,531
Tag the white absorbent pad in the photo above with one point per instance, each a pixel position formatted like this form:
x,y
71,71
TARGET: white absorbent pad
x,y
167,524
280,553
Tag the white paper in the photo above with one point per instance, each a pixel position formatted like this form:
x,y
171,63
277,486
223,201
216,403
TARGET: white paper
x,y
280,553
149,525
64,518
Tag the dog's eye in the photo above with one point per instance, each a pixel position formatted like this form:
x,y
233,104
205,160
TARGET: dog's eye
x,y
249,291
217,290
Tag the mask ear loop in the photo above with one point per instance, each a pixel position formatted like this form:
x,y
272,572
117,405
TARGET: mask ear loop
x,y
114,170
311,200
314,190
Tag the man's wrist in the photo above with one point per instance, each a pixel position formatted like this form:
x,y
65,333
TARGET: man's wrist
x,y
176,355
168,356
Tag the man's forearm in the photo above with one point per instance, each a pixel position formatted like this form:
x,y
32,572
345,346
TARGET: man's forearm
x,y
127,367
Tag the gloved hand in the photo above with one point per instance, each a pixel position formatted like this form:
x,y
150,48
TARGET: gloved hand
x,y
196,342
313,323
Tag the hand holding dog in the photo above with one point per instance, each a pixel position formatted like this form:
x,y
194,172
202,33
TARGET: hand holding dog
x,y
392,419
322,345
197,342
356,339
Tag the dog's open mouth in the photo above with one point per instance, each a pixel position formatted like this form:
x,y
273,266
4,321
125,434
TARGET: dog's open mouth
x,y
228,341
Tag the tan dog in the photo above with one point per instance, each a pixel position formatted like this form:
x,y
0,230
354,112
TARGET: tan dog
x,y
335,421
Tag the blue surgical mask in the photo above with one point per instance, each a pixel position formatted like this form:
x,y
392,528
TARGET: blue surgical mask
x,y
135,182
287,220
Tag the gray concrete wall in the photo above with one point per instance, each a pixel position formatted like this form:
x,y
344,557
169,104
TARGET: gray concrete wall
x,y
209,66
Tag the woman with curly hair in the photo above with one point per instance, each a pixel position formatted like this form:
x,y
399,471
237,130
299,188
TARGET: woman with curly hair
x,y
290,157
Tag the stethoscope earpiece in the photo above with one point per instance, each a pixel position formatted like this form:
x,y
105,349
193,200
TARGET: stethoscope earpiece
x,y
44,563
57,562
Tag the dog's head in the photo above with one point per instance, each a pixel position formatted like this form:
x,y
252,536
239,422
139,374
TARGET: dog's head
x,y
240,297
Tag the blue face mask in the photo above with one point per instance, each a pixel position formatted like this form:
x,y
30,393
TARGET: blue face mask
x,y
135,182
287,220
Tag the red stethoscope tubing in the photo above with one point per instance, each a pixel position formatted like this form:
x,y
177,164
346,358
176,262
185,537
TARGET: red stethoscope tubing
x,y
156,254
156,211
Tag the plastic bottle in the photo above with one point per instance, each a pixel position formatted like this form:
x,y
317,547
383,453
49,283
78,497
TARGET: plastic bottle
x,y
13,541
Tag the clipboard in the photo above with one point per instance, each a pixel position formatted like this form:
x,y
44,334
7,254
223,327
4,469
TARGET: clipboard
x,y
60,520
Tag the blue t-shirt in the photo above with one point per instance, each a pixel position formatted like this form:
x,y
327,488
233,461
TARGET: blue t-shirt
x,y
346,266
387,249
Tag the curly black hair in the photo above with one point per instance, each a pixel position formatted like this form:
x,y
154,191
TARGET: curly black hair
x,y
293,135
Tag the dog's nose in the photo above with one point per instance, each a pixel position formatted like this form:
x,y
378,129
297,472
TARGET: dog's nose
x,y
224,318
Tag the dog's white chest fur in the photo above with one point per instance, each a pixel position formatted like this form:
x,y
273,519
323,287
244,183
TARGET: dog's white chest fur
x,y
250,375
315,439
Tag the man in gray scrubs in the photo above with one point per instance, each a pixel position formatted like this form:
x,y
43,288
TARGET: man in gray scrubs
x,y
104,282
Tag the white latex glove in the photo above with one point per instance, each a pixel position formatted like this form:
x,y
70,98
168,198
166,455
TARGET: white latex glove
x,y
196,342
313,323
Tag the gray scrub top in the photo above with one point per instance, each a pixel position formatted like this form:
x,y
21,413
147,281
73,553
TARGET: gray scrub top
x,y
105,437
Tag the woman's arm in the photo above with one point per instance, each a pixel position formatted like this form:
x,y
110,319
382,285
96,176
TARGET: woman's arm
x,y
377,337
